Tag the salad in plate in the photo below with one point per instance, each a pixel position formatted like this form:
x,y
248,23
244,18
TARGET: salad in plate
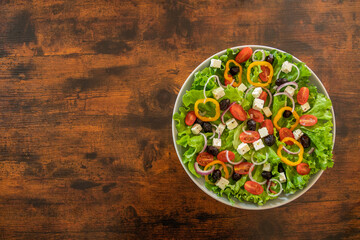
x,y
254,127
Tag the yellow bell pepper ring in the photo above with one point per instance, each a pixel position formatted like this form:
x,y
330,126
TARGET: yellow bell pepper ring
x,y
213,163
260,63
284,159
279,115
203,118
229,77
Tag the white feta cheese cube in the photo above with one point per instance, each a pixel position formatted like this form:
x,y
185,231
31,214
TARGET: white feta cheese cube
x,y
267,111
243,148
242,87
215,63
196,129
220,129
267,167
258,145
217,143
258,104
231,123
256,92
297,134
218,93
282,177
290,90
222,183
263,132
305,107
286,67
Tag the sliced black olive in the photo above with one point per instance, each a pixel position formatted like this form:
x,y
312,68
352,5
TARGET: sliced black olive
x,y
270,59
267,175
280,168
281,81
251,124
212,150
199,121
287,113
234,70
216,175
207,127
269,140
224,104
305,141
236,176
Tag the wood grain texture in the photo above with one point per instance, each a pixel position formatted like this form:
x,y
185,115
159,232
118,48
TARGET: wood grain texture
x,y
86,96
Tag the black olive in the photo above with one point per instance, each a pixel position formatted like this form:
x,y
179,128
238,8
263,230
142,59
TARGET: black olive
x,y
212,150
224,104
236,176
207,127
305,141
199,122
270,59
267,175
280,168
251,124
269,140
234,70
216,175
287,113
281,81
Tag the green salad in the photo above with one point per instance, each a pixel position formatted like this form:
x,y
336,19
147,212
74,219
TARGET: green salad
x,y
254,126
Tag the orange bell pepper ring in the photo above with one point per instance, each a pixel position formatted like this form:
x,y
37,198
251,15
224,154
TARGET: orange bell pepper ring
x,y
203,118
260,63
229,77
284,159
279,115
213,163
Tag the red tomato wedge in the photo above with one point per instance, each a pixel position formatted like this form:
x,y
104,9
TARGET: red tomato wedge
x,y
303,95
204,158
303,169
256,115
222,156
308,120
285,132
249,136
242,168
244,55
269,125
253,188
263,96
190,118
238,112
265,73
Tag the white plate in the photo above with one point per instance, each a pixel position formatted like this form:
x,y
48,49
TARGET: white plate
x,y
200,182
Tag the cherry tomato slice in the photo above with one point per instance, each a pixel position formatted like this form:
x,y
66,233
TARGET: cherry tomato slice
x,y
256,115
272,185
308,120
242,168
222,156
238,112
249,136
204,158
269,125
253,187
263,96
303,169
285,132
190,118
244,55
303,95
265,73
227,82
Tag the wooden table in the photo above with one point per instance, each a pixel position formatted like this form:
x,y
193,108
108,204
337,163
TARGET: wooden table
x,y
86,98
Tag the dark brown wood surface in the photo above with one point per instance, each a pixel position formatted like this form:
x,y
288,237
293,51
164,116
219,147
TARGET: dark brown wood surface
x,y
87,90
